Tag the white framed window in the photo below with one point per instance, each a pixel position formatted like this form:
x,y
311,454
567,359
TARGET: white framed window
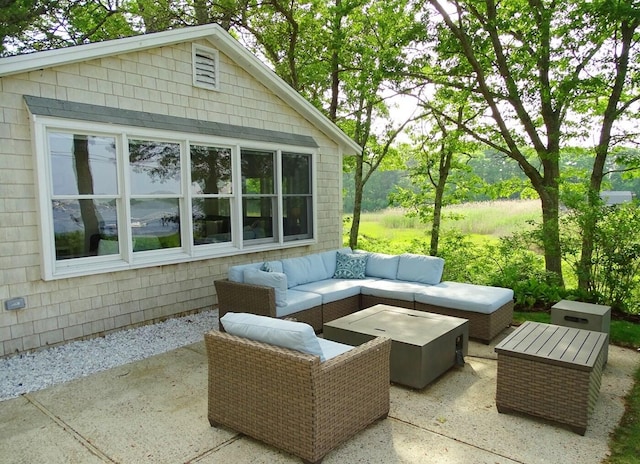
x,y
205,64
115,199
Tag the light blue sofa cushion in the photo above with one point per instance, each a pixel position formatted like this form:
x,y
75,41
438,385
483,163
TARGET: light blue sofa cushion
x,y
350,266
382,265
465,297
276,280
329,259
236,273
286,334
335,289
420,268
298,301
395,289
331,349
305,269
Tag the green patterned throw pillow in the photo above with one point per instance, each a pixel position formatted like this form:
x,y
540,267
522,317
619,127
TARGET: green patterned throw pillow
x,y
350,266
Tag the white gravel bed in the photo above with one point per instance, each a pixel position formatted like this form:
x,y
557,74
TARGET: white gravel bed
x,y
29,372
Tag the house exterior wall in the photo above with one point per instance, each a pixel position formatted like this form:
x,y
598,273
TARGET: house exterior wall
x,y
157,81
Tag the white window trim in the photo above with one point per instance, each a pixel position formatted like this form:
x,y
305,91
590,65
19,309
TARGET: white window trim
x,y
52,269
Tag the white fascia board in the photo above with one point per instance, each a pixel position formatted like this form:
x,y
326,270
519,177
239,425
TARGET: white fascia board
x,y
74,54
215,34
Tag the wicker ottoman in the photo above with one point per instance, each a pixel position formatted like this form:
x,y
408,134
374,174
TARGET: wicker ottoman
x,y
551,372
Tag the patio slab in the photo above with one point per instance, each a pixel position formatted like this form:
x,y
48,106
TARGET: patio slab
x,y
154,410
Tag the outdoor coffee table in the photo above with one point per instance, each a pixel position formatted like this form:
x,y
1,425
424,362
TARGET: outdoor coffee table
x,y
423,345
551,371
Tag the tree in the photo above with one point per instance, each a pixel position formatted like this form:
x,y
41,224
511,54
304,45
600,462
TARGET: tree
x,y
532,66
440,172
373,60
347,58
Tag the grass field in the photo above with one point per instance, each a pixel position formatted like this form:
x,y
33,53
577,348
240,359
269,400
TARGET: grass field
x,y
486,219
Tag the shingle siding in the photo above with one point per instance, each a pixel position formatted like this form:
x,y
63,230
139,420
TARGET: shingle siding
x,y
154,81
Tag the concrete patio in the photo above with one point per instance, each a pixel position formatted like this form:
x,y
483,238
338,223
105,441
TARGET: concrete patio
x,y
155,411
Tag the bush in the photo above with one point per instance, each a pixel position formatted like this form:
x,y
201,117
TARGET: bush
x,y
615,262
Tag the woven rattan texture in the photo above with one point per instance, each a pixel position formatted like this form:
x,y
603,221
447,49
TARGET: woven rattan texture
x,y
483,327
553,392
292,401
340,308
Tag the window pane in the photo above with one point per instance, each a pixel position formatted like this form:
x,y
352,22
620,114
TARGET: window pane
x,y
257,172
298,219
83,164
211,220
85,228
258,218
210,170
154,167
155,223
296,173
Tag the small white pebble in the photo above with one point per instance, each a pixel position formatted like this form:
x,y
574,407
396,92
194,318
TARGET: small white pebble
x,y
30,372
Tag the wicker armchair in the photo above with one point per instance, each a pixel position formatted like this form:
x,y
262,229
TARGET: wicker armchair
x,y
291,400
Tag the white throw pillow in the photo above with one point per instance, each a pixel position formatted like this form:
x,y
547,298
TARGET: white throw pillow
x,y
286,334
276,280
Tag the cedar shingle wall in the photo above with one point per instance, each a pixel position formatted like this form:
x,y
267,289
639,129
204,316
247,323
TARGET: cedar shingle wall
x,y
157,81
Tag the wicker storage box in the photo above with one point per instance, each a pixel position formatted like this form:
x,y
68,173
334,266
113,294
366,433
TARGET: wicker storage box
x,y
551,372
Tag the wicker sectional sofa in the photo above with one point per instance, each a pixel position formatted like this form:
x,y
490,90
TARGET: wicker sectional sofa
x,y
321,287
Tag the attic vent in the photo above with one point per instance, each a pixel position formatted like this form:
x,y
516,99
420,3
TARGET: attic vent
x,y
205,67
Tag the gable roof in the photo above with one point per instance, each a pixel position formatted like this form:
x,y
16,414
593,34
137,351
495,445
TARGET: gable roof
x,y
221,39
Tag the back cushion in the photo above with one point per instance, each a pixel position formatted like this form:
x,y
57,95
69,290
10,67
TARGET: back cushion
x,y
277,280
420,268
329,259
382,265
305,269
286,334
236,273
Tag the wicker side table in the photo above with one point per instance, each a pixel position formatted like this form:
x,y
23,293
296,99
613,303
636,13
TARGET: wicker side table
x,y
551,372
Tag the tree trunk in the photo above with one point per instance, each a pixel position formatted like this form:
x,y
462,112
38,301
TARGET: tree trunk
x,y
551,232
443,175
85,187
357,203
584,270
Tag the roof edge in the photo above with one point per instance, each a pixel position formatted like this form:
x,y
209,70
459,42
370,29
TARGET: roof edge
x,y
212,32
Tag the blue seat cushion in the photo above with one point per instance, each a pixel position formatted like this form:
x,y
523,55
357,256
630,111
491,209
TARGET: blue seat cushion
x,y
465,297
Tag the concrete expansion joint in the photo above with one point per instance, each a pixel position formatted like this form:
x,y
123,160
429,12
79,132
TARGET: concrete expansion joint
x,y
457,440
213,451
68,429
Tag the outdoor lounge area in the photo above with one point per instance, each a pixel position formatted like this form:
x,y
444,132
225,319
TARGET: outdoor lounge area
x,y
155,410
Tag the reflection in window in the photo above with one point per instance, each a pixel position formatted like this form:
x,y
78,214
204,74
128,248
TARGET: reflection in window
x,y
297,198
210,170
83,167
83,164
156,185
154,167
211,220
85,227
155,224
258,194
210,188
